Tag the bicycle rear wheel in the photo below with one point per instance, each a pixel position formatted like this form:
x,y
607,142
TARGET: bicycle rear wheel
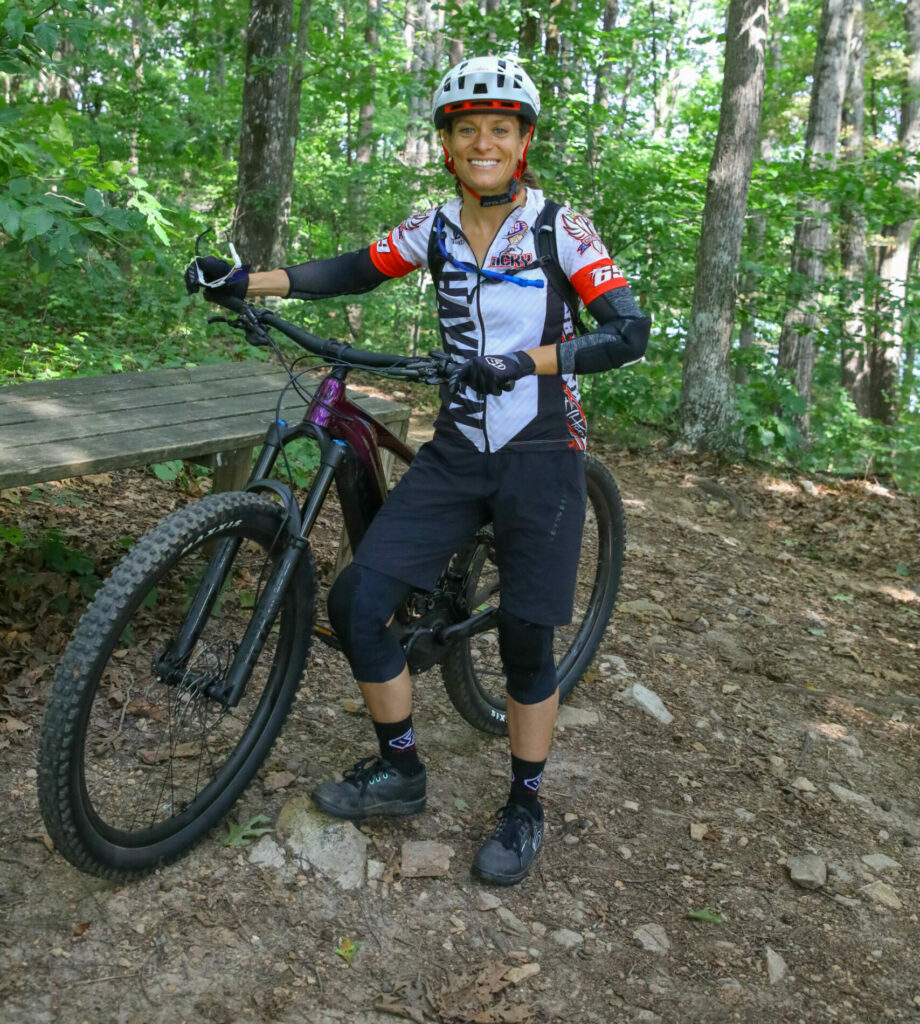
x,y
472,669
137,763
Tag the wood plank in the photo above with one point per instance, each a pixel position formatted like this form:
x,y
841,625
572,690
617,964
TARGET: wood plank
x,y
21,405
34,463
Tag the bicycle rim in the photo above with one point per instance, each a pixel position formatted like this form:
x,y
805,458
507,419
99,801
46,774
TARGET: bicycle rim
x,y
153,757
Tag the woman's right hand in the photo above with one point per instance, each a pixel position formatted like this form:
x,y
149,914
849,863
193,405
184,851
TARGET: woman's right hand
x,y
205,269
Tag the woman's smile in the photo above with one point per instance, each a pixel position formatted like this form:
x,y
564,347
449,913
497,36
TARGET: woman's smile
x,y
486,150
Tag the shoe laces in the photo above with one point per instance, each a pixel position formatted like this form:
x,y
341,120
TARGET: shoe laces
x,y
514,823
366,769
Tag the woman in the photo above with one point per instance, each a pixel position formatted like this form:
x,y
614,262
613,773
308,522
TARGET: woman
x,y
512,457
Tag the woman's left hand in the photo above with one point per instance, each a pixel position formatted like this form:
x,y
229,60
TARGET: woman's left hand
x,y
491,375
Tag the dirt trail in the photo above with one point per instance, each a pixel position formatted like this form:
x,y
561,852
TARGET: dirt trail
x,y
779,623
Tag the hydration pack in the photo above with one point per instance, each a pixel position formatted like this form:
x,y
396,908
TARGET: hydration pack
x,y
544,231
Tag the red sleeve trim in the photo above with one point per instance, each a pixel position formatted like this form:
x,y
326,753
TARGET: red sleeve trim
x,y
387,260
602,276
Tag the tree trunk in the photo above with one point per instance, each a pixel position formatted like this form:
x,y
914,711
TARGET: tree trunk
x,y
854,365
366,113
530,32
292,132
605,71
894,253
812,233
707,404
264,148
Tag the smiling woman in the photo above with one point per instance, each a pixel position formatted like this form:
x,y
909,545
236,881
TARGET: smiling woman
x,y
508,447
487,152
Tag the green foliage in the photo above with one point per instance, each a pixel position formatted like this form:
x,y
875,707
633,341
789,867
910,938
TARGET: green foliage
x,y
243,833
119,131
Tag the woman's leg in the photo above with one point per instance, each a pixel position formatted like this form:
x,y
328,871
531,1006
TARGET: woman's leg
x,y
361,607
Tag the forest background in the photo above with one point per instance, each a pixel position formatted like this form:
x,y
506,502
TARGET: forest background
x,y
302,130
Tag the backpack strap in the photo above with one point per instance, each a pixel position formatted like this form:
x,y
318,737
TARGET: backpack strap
x,y
544,230
436,260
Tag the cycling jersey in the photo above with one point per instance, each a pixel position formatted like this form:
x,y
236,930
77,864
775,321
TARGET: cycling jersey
x,y
494,316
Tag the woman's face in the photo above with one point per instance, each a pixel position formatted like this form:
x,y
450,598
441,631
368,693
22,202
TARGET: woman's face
x,y
486,150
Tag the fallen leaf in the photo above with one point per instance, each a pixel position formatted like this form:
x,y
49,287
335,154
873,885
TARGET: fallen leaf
x,y
278,780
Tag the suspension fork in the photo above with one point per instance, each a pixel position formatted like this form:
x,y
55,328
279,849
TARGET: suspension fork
x,y
269,603
215,574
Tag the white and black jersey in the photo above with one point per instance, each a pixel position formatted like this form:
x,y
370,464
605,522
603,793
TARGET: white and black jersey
x,y
483,316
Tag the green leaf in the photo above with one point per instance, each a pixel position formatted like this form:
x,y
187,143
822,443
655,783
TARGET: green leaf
x,y
817,632
243,835
846,598
167,471
46,36
59,132
347,948
706,915
15,25
902,569
95,203
36,220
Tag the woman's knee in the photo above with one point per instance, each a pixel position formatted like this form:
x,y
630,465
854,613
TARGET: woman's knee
x,y
527,655
361,603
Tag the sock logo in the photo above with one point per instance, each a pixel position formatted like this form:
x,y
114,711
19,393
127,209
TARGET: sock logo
x,y
534,784
403,742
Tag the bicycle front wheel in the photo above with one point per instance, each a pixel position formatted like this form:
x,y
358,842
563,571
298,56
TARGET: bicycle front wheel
x,y
139,757
472,670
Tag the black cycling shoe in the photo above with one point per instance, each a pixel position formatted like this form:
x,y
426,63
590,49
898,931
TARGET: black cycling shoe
x,y
505,857
372,787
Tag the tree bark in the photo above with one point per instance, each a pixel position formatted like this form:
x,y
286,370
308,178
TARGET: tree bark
x,y
292,132
605,71
854,364
895,252
812,233
707,400
366,113
264,148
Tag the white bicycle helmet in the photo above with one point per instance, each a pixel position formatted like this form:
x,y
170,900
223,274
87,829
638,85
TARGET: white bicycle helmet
x,y
484,84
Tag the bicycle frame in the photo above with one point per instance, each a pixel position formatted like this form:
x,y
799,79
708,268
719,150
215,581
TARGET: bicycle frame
x,y
349,441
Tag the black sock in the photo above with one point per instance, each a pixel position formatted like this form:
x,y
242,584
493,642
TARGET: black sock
x,y
525,783
397,745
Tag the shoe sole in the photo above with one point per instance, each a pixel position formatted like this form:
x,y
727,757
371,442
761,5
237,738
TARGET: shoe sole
x,y
395,809
487,876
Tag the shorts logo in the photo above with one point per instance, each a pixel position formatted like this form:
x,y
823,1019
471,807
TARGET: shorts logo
x,y
583,231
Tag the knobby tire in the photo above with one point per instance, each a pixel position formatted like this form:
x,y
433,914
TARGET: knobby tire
x,y
134,771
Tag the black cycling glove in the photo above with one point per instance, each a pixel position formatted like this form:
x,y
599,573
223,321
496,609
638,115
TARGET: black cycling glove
x,y
205,269
491,375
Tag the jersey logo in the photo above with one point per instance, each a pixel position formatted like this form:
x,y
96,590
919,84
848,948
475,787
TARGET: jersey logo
x,y
383,245
601,275
410,224
583,231
512,256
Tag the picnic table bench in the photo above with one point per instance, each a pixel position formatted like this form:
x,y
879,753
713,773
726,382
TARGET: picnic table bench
x,y
212,415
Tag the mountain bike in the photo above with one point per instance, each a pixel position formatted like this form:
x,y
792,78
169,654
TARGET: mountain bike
x,y
181,672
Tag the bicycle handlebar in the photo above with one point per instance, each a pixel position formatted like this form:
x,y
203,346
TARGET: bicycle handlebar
x,y
436,368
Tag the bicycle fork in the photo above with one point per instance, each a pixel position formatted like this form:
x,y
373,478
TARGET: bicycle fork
x,y
229,690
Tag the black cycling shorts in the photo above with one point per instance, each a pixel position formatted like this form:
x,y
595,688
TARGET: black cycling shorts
x,y
535,501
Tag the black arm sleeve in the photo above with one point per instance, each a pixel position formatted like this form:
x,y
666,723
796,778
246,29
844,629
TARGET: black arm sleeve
x,y
621,336
349,274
